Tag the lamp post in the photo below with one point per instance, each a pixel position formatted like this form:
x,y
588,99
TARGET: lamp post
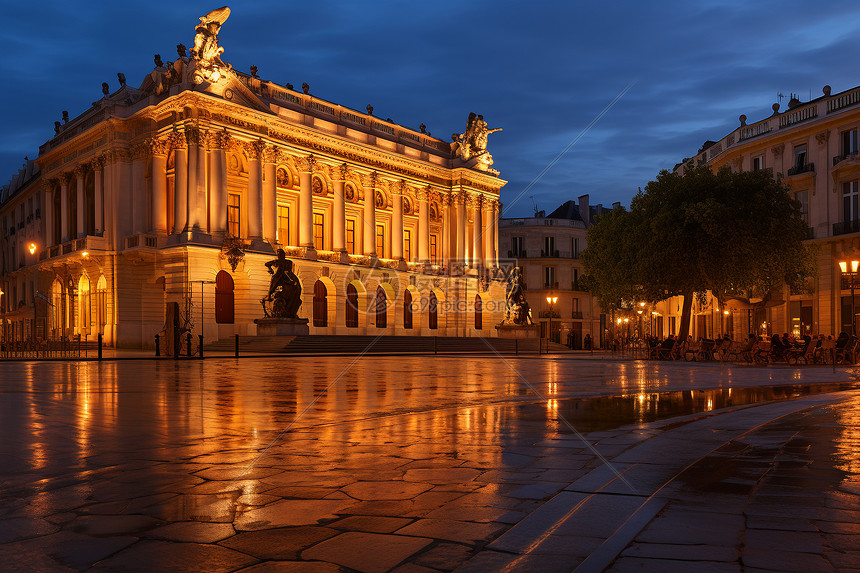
x,y
844,266
202,306
551,300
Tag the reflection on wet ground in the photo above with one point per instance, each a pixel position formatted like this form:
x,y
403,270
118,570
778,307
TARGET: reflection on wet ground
x,y
221,464
610,412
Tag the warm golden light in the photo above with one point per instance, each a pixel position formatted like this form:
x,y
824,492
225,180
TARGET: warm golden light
x,y
843,266
639,312
641,304
32,248
626,320
552,299
725,312
854,266
85,254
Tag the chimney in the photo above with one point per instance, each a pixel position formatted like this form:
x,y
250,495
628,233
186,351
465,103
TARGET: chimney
x,y
599,209
584,212
616,205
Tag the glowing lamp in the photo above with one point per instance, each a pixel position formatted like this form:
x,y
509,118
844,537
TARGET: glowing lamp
x,y
32,248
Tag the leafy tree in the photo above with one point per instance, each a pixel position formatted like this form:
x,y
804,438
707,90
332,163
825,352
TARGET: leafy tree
x,y
734,234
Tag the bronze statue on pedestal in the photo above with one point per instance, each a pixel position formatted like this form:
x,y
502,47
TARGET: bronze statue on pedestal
x,y
285,290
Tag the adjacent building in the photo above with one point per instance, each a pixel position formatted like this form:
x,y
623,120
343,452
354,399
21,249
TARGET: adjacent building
x,y
547,249
181,189
812,147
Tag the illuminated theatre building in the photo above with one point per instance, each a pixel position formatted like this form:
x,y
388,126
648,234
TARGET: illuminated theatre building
x,y
813,148
180,191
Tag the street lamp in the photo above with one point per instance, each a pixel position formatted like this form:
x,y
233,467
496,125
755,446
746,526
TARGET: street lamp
x,y
551,300
32,248
843,266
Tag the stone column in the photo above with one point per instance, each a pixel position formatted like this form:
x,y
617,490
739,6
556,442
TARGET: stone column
x,y
255,189
138,188
99,199
270,194
192,138
64,206
477,231
80,171
48,212
218,183
368,244
446,230
339,216
306,201
397,221
180,182
489,234
461,227
423,226
159,185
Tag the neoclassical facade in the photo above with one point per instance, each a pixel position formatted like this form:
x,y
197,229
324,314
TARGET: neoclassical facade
x,y
180,190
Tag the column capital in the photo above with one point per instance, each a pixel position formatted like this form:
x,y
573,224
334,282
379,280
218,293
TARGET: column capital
x,y
48,184
254,149
176,140
121,154
206,139
271,154
192,135
98,163
341,172
80,171
305,164
220,140
370,180
158,147
140,151
65,177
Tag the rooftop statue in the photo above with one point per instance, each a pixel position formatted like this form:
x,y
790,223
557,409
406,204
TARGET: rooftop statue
x,y
206,53
472,143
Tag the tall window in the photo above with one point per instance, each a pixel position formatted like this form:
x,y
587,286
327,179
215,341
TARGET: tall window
x,y
432,312
574,247
575,304
224,298
433,259
380,241
517,247
407,310
84,305
58,305
284,224
319,231
849,201
800,155
350,236
381,308
320,304
548,277
233,209
479,312
351,306
407,244
575,284
849,142
803,198
549,246
758,163
101,303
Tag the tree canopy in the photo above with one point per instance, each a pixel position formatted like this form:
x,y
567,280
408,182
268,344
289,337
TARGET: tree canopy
x,y
734,234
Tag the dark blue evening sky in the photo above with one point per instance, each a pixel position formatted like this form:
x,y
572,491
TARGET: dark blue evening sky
x,y
540,70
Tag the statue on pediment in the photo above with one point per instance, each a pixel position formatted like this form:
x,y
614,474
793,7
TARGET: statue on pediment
x,y
472,143
206,53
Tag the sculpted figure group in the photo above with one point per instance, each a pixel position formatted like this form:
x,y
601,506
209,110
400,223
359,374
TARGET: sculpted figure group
x,y
472,143
285,290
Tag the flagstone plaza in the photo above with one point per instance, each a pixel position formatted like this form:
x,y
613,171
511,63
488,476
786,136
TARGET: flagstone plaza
x,y
415,464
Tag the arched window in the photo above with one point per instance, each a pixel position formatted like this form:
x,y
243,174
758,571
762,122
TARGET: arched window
x,y
432,316
223,298
320,305
83,321
58,306
381,309
351,306
407,311
479,311
101,303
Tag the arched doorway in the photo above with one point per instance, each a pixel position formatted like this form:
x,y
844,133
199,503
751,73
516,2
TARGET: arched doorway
x,y
58,304
381,308
320,304
101,303
479,312
224,301
84,314
351,306
432,312
407,310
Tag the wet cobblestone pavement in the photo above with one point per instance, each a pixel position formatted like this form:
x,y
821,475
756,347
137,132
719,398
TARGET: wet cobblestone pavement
x,y
414,464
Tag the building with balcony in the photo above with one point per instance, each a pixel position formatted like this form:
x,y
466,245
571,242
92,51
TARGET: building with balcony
x,y
812,147
181,189
547,248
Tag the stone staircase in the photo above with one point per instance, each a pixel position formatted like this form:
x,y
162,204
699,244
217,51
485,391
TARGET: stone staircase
x,y
352,345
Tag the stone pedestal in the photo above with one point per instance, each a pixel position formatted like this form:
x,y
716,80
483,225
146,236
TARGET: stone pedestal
x,y
282,326
518,331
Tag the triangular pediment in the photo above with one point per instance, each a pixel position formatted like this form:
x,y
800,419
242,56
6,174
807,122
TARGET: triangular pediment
x,y
234,91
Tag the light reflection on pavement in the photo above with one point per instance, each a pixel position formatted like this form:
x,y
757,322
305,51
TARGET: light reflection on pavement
x,y
160,465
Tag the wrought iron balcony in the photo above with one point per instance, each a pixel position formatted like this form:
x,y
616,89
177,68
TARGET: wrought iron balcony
x,y
549,313
845,227
837,159
550,285
804,168
576,314
549,253
516,254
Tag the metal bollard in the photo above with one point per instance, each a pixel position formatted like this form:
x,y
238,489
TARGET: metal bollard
x,y
236,347
100,345
157,346
188,344
435,347
200,344
516,347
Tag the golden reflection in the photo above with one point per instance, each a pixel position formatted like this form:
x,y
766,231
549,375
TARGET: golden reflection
x,y
847,441
552,405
